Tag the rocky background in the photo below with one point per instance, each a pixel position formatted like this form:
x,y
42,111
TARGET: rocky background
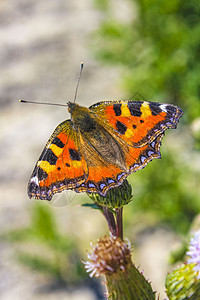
x,y
41,46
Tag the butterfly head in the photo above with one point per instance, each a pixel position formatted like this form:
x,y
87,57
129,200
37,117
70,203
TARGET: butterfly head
x,y
72,107
77,111
82,117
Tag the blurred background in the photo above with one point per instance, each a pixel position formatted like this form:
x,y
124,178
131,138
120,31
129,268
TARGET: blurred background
x,y
132,49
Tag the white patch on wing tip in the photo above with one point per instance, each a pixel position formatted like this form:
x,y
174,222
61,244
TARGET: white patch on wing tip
x,y
163,107
35,180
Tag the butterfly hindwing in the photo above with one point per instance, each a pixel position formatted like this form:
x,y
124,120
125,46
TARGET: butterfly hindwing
x,y
105,158
102,177
137,122
60,166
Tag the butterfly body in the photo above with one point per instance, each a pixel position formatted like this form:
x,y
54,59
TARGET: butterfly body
x,y
97,142
100,146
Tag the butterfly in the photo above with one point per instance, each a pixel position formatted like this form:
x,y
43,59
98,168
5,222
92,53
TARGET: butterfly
x,y
99,146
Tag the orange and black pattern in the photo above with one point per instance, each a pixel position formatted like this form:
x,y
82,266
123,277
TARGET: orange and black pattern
x,y
100,146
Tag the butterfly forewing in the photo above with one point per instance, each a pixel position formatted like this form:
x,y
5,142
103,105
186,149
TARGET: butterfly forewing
x,y
60,166
137,122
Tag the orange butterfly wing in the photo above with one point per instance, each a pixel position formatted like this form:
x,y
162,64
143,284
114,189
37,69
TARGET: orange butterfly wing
x,y
137,122
100,146
138,128
60,166
102,178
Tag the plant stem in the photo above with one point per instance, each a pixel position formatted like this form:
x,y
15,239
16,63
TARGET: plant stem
x,y
110,220
119,219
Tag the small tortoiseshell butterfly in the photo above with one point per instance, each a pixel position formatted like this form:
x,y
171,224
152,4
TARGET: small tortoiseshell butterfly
x,y
100,146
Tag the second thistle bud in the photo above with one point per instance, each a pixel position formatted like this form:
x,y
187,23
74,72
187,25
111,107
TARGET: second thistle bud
x,y
184,282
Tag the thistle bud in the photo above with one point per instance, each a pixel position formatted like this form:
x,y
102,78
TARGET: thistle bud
x,y
184,282
115,197
111,257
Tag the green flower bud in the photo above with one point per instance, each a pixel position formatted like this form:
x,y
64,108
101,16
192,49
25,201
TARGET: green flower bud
x,y
116,197
183,283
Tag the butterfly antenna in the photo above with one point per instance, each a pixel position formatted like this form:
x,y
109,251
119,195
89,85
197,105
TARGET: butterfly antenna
x,y
57,104
45,103
79,78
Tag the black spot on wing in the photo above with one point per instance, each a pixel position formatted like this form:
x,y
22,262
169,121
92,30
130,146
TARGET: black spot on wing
x,y
50,157
41,174
134,108
134,126
121,127
58,142
155,108
67,165
117,109
74,154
